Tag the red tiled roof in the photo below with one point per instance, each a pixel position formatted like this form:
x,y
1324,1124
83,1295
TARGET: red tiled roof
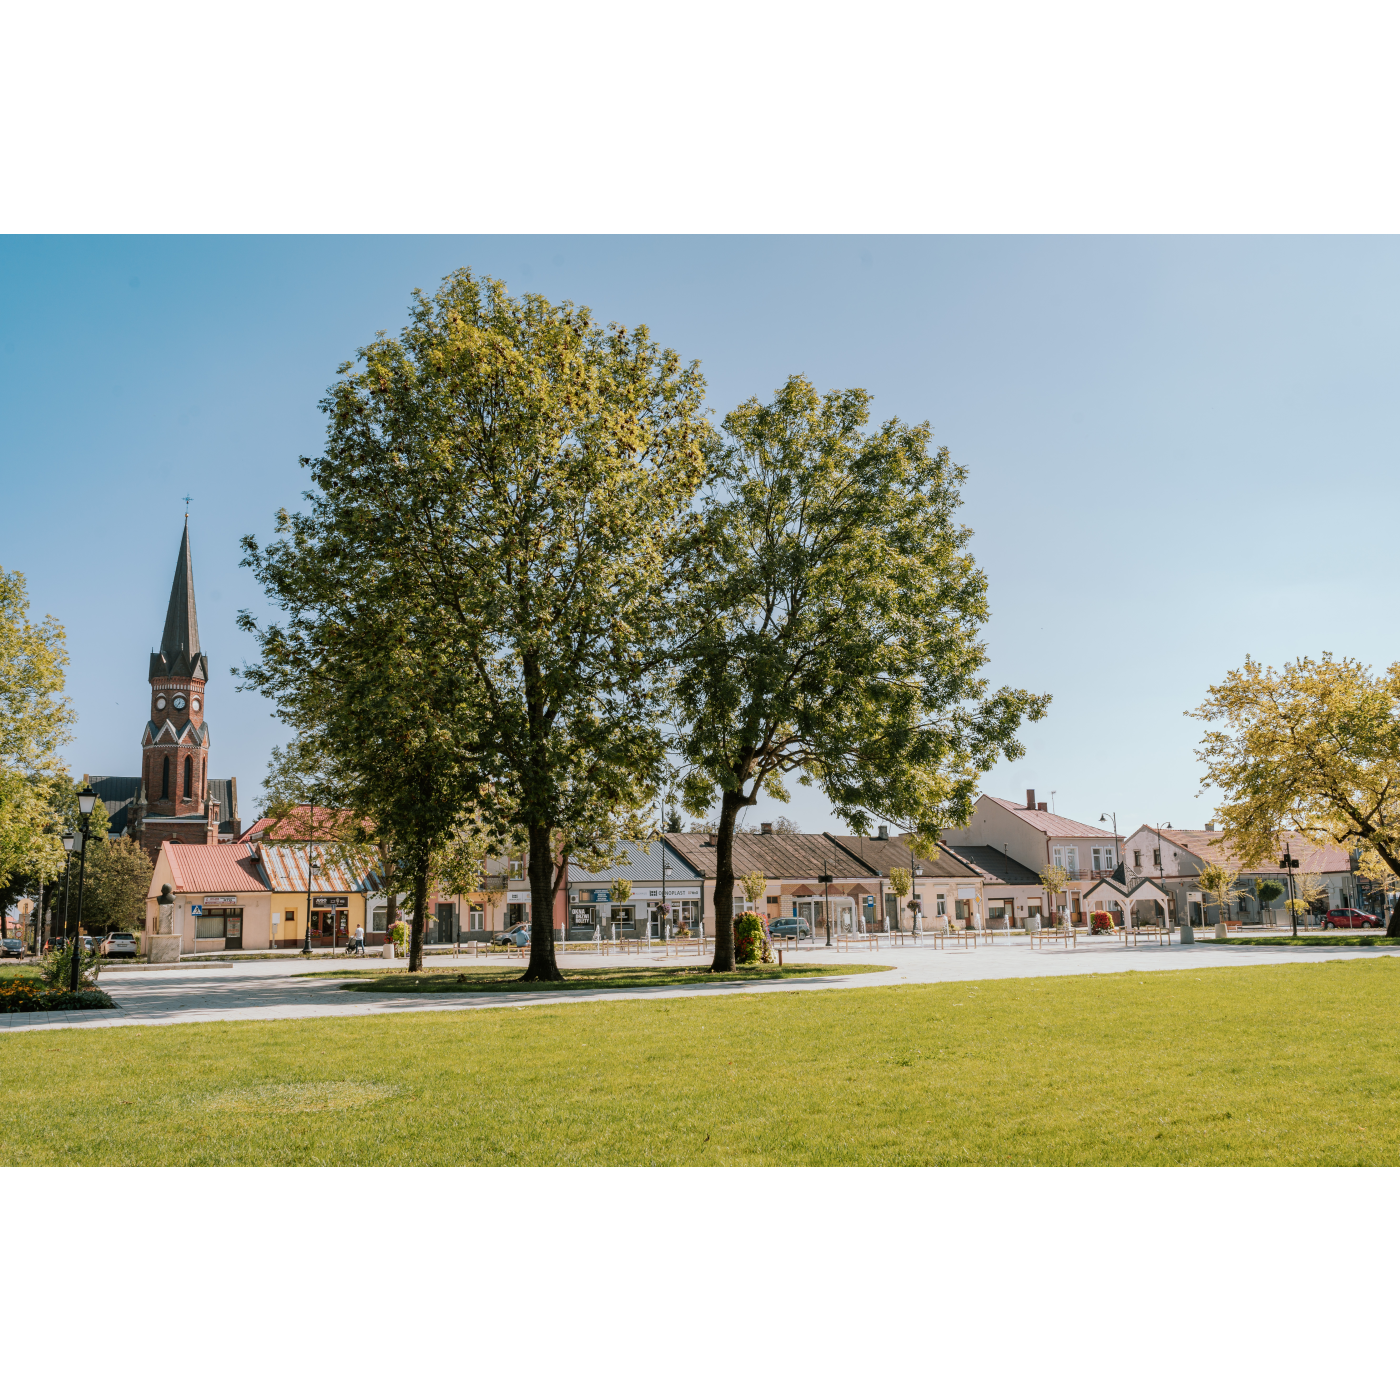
x,y
228,868
1048,822
293,826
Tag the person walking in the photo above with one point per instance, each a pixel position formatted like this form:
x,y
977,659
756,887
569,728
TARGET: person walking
x,y
360,939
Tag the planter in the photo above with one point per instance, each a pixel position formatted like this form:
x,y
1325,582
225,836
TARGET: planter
x,y
1187,934
387,952
1221,933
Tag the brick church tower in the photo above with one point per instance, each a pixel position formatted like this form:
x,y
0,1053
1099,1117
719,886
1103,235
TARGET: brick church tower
x,y
176,800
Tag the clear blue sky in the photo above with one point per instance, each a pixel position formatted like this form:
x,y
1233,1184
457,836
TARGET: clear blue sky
x,y
1180,450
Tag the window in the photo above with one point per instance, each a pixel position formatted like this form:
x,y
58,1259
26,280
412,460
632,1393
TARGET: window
x,y
1157,857
380,921
622,916
942,903
772,898
189,776
165,776
476,919
1059,857
290,917
517,870
1137,860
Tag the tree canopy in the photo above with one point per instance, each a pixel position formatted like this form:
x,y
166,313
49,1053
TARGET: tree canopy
x,y
35,722
482,576
1312,747
833,627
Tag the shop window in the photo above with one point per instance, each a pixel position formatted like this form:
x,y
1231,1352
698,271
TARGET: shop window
x,y
380,920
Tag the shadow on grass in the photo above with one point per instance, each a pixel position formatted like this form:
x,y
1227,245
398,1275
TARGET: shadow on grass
x,y
508,979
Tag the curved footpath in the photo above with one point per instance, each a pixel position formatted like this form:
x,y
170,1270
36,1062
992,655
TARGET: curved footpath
x,y
269,989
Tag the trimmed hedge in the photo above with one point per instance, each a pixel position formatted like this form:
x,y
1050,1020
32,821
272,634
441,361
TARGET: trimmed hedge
x,y
25,994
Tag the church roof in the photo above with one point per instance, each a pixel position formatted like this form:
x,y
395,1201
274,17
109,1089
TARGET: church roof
x,y
179,643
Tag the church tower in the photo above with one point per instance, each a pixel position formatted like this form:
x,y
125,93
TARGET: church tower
x,y
175,802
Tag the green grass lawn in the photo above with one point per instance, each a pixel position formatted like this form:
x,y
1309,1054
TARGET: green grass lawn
x,y
507,979
1293,1064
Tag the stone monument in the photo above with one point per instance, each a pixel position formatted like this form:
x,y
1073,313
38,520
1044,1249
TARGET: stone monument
x,y
163,946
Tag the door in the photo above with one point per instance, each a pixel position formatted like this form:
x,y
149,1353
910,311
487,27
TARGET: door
x,y
233,929
892,909
446,923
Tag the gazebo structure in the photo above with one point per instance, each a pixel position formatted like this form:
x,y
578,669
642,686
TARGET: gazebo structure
x,y
1138,902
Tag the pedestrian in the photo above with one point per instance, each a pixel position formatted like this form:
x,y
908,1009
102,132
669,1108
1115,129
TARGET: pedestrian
x,y
360,939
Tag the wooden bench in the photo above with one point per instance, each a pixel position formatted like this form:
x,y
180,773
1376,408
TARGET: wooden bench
x,y
1162,935
845,937
950,932
1068,935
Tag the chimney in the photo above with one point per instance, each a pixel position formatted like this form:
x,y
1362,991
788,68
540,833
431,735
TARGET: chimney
x,y
1042,806
765,828
1210,826
883,834
1030,799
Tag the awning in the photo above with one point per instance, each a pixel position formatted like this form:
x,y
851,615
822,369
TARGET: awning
x,y
801,892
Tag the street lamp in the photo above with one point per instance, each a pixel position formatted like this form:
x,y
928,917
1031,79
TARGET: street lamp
x,y
68,840
1103,817
313,867
87,800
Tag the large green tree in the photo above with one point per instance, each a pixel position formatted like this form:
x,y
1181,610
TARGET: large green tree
x,y
117,882
500,496
35,722
1312,747
833,620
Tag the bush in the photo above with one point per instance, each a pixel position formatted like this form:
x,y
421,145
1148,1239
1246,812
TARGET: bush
x,y
399,932
751,941
56,966
1100,922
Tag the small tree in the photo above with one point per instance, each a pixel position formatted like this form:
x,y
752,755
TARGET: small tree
x,y
1266,891
754,885
1053,879
1309,890
1217,882
901,883
785,826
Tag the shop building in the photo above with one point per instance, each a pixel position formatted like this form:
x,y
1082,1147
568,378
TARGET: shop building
x,y
658,876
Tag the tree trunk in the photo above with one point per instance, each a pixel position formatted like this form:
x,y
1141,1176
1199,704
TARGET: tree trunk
x,y
420,913
724,882
543,966
1392,929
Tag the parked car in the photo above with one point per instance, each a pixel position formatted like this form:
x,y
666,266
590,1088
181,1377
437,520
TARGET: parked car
x,y
790,928
1349,918
519,934
11,948
119,945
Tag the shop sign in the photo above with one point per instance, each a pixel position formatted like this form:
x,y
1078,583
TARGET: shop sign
x,y
672,892
221,899
600,896
330,901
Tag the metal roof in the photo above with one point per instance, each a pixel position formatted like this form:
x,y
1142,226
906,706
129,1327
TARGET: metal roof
x,y
779,855
285,870
639,861
997,866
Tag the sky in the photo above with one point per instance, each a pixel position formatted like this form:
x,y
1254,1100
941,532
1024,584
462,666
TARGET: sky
x,y
1180,450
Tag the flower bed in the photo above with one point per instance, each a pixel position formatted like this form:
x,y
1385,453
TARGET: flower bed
x,y
26,994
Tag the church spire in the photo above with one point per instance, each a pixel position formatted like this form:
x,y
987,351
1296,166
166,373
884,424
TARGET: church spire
x,y
181,625
179,643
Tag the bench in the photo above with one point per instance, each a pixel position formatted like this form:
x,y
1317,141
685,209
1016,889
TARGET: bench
x,y
1162,935
950,931
1069,935
845,937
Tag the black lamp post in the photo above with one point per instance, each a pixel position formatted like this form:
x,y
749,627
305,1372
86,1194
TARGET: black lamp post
x,y
826,901
87,800
312,867
1290,864
69,839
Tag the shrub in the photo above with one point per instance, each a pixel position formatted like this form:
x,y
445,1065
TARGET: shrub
x,y
399,932
56,966
1100,922
751,942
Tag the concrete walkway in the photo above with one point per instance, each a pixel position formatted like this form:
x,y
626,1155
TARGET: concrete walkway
x,y
271,990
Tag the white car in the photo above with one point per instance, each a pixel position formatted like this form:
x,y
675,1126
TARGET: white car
x,y
119,945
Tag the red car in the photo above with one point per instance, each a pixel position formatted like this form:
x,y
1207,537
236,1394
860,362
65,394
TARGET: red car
x,y
1349,918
